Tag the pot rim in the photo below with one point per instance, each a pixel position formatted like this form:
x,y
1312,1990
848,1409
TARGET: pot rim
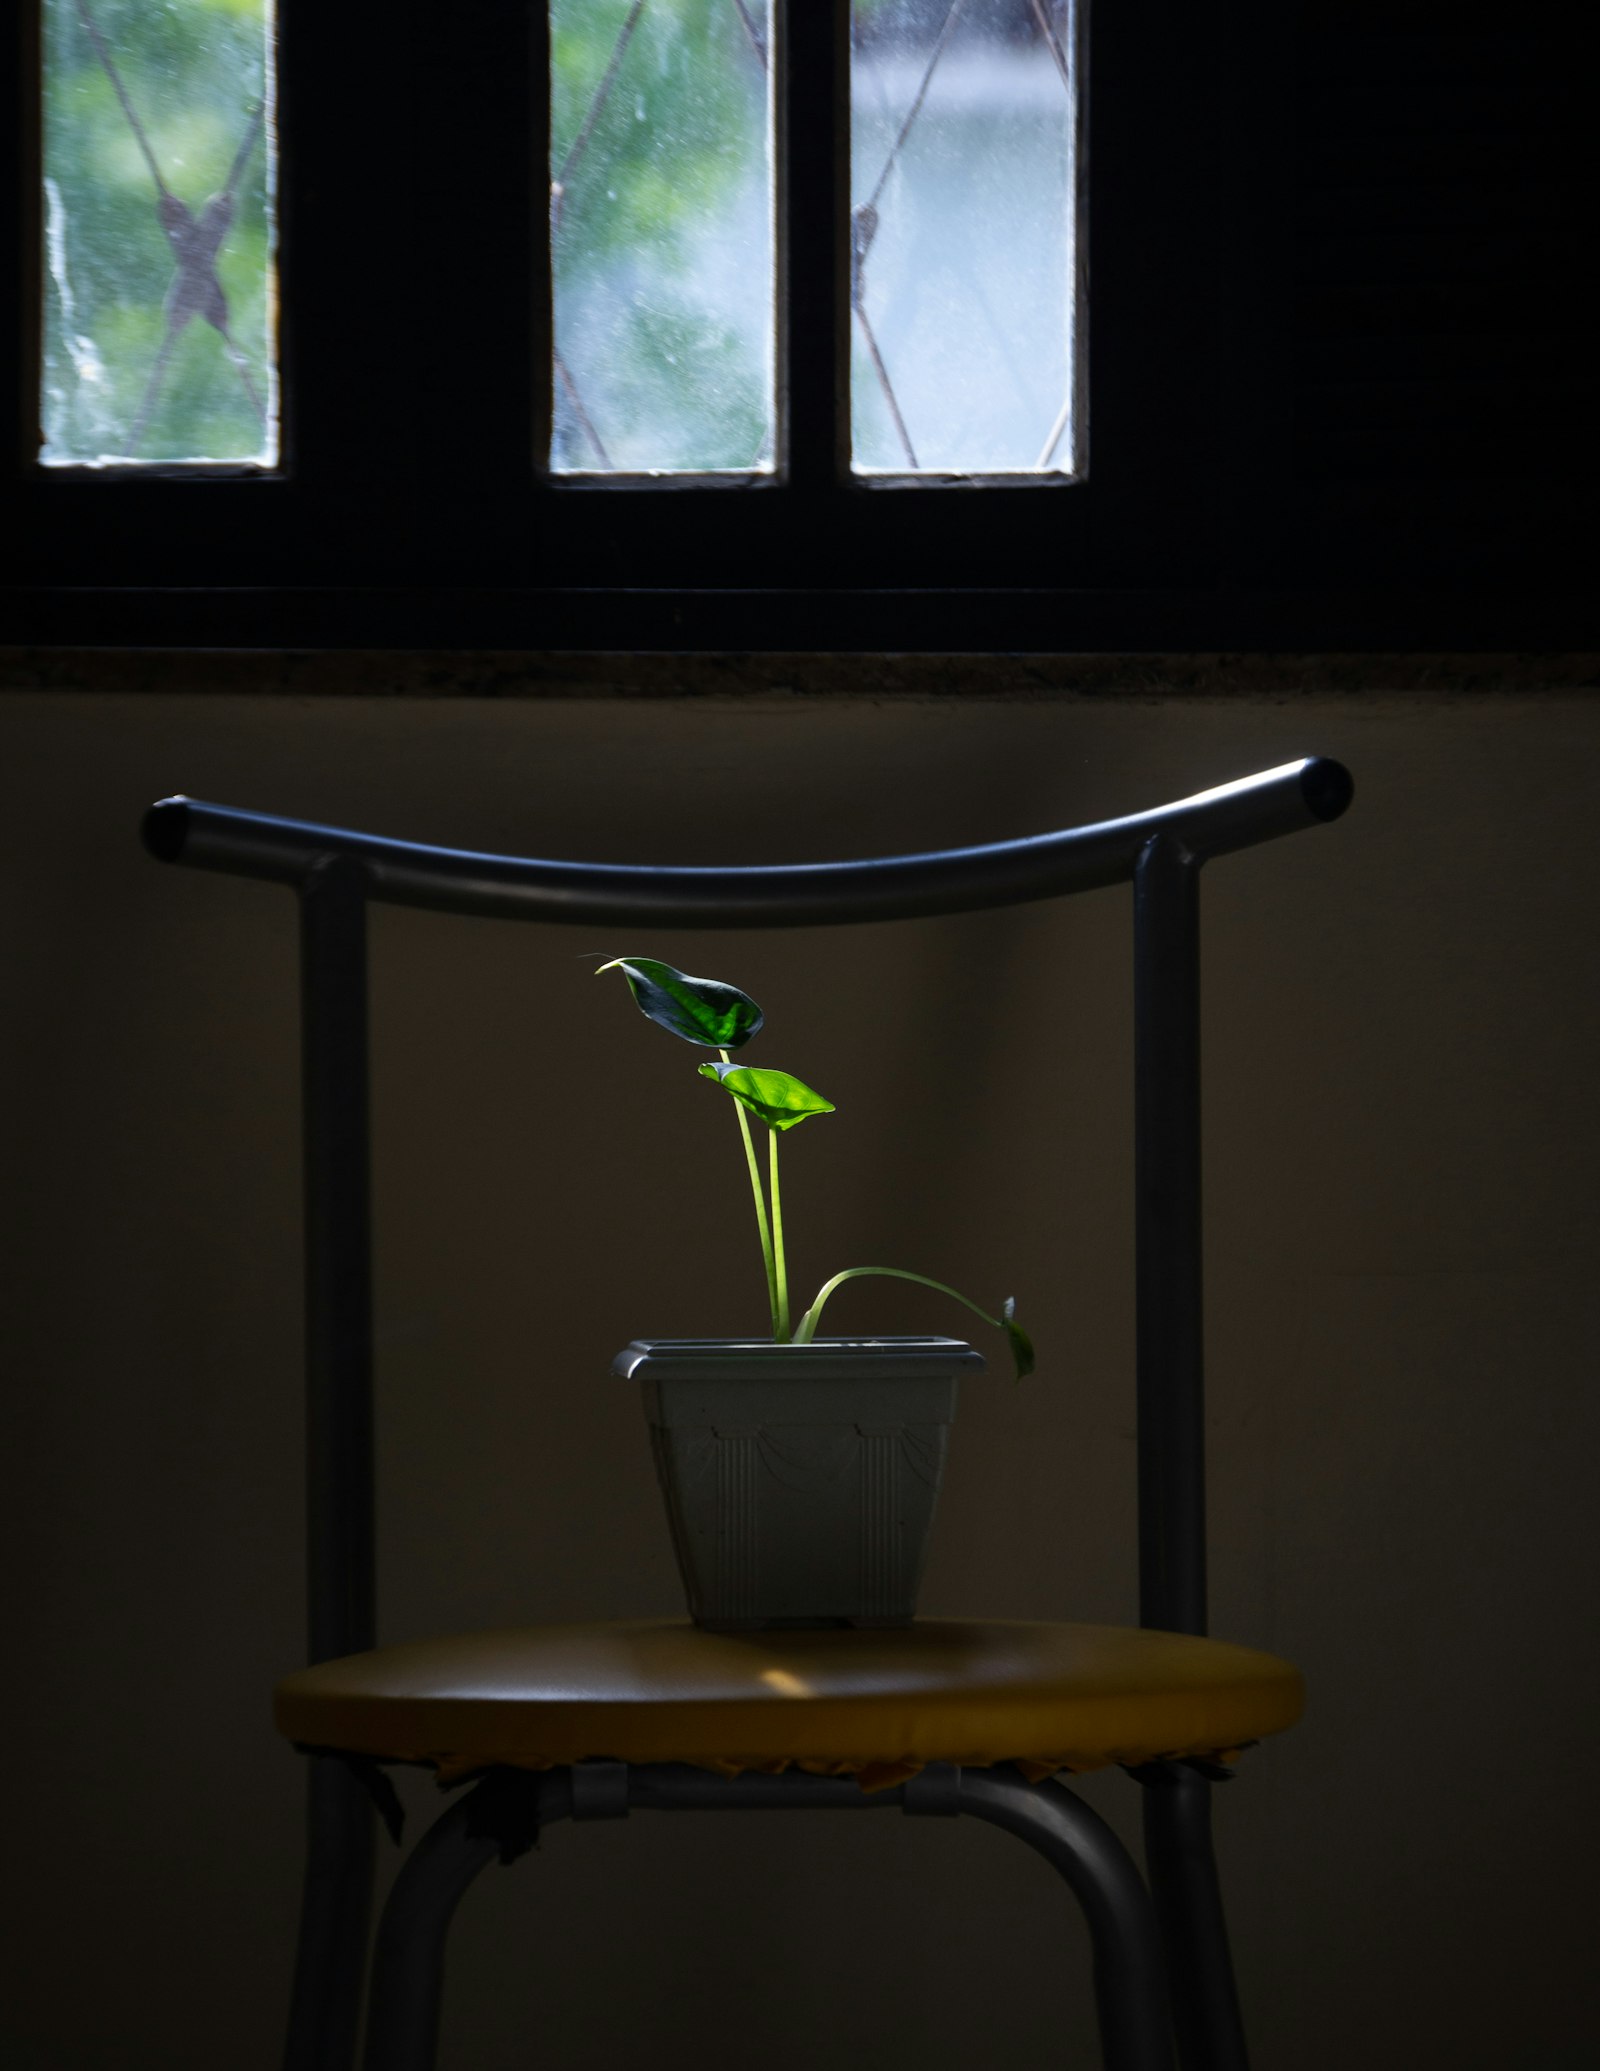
x,y
657,1357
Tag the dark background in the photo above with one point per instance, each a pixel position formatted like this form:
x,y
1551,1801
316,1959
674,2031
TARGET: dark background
x,y
1340,500
1401,1019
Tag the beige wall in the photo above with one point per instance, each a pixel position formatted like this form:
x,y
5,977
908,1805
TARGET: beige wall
x,y
1401,1023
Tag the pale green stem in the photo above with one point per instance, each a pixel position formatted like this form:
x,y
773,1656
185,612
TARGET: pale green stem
x,y
780,1329
761,1213
806,1328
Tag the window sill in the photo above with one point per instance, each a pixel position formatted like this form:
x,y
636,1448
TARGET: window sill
x,y
426,673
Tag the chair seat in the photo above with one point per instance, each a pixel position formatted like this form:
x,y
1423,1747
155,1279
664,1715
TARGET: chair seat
x,y
875,1703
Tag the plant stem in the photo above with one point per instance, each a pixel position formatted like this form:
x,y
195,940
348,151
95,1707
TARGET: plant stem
x,y
761,1217
780,1329
806,1329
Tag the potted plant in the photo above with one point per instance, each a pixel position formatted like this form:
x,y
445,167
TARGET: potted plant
x,y
800,1473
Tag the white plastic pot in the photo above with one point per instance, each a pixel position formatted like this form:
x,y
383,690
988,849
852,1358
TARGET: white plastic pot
x,y
800,1480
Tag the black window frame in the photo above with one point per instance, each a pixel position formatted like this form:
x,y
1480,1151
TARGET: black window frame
x,y
394,130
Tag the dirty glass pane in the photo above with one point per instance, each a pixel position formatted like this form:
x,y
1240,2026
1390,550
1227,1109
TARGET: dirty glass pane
x,y
661,235
158,232
962,198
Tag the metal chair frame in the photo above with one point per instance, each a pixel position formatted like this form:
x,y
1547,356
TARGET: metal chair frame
x,y
1163,1972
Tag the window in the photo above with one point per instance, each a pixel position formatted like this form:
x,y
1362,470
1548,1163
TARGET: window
x,y
158,181
158,174
962,235
661,233
416,303
1210,257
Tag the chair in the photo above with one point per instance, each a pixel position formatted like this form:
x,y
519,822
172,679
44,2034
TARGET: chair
x,y
936,1720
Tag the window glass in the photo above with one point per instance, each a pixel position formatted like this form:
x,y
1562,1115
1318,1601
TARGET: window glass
x,y
962,210
661,236
159,173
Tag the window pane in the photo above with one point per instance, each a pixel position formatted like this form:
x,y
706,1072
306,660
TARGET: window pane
x,y
159,165
962,195
661,235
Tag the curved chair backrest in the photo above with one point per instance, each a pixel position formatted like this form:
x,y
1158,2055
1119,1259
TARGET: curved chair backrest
x,y
336,872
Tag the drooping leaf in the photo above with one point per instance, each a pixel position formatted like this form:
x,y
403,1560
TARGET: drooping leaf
x,y
775,1097
1021,1345
701,1010
1018,1339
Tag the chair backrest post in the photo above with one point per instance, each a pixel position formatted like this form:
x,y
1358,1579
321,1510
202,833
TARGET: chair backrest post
x,y
1170,1354
340,1551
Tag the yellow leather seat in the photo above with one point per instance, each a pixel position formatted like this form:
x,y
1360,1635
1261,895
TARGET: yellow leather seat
x,y
879,1704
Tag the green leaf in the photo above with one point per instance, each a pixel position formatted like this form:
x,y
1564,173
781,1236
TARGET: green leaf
x,y
701,1010
776,1097
1018,1339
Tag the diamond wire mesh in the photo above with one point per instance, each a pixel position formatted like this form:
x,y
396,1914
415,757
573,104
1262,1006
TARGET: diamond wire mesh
x,y
866,215
565,189
194,238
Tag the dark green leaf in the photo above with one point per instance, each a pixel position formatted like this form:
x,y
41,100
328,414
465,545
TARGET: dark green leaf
x,y
701,1010
1018,1339
777,1097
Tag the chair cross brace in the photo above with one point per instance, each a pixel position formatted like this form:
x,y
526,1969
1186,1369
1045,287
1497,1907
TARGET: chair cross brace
x,y
493,1822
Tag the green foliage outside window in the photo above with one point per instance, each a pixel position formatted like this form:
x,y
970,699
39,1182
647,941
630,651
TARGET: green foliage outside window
x,y
116,384
660,240
660,220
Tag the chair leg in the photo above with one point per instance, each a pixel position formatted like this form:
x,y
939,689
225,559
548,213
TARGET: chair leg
x,y
1130,1983
1188,1898
335,1918
1129,1977
408,1960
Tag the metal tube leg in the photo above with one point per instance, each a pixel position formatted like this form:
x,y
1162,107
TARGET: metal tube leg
x,y
1188,1899
1171,1339
408,1960
335,1915
340,1589
1130,1981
